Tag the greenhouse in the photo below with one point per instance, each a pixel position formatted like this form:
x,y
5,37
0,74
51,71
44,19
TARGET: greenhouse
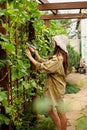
x,y
29,27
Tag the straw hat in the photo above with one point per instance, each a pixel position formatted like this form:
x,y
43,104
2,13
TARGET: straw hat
x,y
61,41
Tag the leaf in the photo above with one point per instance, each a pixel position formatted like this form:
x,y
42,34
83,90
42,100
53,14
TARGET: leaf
x,y
4,38
1,1
1,98
5,103
1,12
10,48
26,85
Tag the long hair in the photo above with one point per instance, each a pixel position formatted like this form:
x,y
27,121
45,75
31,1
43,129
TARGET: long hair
x,y
58,51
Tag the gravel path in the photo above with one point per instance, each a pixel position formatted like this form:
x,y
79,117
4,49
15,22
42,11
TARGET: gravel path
x,y
76,102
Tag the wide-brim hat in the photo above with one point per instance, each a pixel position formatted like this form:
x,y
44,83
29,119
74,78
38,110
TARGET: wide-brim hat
x,y
61,41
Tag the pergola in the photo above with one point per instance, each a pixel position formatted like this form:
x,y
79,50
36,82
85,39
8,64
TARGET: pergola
x,y
44,5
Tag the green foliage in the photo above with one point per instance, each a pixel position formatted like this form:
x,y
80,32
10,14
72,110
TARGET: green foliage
x,y
71,88
45,123
1,1
73,57
4,105
42,123
81,122
20,12
3,98
57,27
4,119
16,111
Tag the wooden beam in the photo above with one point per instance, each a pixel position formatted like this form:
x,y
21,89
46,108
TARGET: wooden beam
x,y
63,16
63,6
46,2
43,1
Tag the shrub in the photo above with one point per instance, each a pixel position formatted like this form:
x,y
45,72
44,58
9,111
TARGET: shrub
x,y
73,57
71,88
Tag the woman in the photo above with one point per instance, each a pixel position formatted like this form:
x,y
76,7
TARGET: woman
x,y
56,70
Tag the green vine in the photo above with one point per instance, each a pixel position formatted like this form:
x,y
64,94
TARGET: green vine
x,y
18,14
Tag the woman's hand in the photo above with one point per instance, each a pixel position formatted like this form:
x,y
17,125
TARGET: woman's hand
x,y
28,53
31,49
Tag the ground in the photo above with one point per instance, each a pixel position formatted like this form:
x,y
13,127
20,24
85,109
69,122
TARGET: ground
x,y
77,101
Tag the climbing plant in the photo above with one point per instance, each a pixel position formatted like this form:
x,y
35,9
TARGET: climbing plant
x,y
18,14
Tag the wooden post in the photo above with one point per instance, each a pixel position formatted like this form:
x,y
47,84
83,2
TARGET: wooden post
x,y
4,79
46,23
33,75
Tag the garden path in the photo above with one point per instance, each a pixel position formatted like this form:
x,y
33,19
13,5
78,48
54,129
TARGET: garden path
x,y
77,101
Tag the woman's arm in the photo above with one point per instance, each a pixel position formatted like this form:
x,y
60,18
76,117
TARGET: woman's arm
x,y
37,56
28,54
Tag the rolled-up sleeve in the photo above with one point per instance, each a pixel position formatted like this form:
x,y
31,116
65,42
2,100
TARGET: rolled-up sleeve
x,y
49,66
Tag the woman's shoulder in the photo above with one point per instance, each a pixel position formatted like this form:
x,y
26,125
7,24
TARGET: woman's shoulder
x,y
59,57
54,57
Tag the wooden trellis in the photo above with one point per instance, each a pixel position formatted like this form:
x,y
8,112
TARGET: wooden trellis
x,y
6,72
44,5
